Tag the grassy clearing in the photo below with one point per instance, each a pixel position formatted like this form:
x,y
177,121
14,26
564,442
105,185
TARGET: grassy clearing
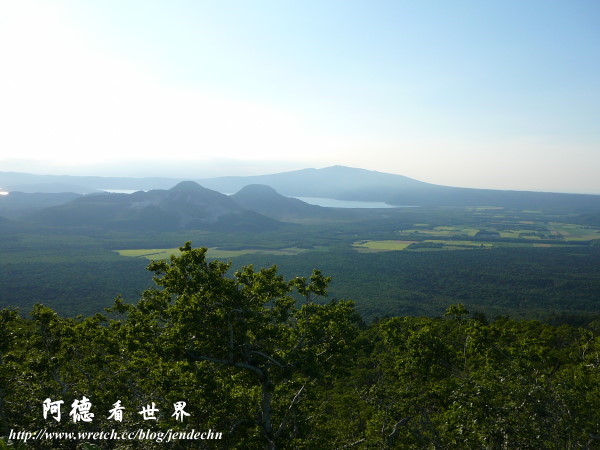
x,y
464,244
213,252
572,232
460,231
522,229
512,234
380,246
446,231
430,245
427,245
518,233
442,231
426,232
149,253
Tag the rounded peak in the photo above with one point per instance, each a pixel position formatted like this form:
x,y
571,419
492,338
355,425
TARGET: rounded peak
x,y
257,189
187,186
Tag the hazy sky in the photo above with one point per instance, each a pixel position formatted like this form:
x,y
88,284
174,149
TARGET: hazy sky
x,y
498,94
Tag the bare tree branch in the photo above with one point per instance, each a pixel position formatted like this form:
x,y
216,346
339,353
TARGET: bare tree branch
x,y
392,435
292,403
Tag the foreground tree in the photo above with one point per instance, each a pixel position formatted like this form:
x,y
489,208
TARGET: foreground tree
x,y
269,351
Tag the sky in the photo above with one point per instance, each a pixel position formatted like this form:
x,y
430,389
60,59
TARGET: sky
x,y
486,94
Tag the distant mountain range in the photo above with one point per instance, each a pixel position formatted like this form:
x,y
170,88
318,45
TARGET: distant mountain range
x,y
337,182
32,183
20,203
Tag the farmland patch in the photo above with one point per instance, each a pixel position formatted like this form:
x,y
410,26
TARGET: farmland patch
x,y
212,252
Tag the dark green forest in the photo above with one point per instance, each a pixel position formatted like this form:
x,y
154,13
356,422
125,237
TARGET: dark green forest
x,y
271,362
522,264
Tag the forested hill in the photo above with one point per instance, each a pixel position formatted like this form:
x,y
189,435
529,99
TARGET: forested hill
x,y
185,206
268,201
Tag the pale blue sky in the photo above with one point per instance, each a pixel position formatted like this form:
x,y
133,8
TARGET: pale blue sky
x,y
498,94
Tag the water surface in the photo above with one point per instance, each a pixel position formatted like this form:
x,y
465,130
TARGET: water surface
x,y
333,203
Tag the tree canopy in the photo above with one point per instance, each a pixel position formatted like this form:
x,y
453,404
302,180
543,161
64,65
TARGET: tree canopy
x,y
271,363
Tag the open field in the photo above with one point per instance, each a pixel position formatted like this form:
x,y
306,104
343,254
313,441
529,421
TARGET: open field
x,y
426,245
441,244
440,231
380,246
572,232
213,252
148,253
505,229
460,245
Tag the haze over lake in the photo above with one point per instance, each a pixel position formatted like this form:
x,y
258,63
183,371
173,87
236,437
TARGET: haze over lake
x,y
333,203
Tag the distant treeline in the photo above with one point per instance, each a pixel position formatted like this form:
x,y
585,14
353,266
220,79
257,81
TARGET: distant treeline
x,y
515,282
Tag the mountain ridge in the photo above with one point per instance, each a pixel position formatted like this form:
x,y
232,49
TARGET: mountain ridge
x,y
338,182
346,183
267,201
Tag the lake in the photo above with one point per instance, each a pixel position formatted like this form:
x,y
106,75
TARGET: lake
x,y
333,203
